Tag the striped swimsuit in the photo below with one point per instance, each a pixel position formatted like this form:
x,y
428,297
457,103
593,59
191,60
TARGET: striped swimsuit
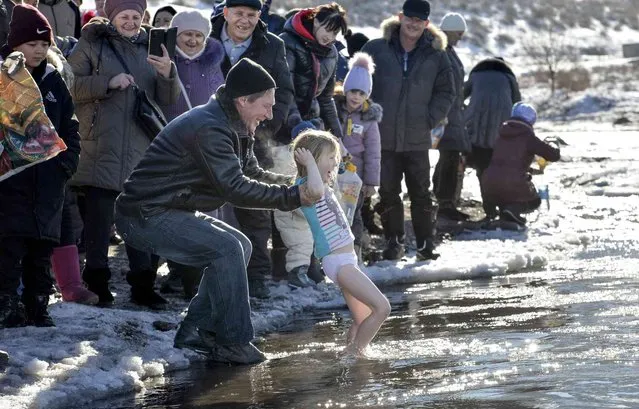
x,y
328,223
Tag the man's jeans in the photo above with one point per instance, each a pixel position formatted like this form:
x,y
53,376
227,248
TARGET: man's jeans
x,y
195,239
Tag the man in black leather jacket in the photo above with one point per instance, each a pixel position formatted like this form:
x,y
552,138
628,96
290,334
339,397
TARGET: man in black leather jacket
x,y
200,161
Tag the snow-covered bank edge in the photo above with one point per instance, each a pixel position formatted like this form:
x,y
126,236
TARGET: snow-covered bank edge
x,y
95,353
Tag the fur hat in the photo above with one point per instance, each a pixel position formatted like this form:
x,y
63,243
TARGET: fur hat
x,y
360,74
453,22
191,20
113,7
28,24
525,112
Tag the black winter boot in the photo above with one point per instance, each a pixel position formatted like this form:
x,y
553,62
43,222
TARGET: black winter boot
x,y
97,280
11,311
424,226
35,307
394,249
142,292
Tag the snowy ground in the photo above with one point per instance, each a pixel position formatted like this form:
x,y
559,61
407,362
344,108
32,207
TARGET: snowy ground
x,y
96,353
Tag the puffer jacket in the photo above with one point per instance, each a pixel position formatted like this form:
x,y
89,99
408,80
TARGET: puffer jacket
x,y
506,181
313,69
416,96
201,77
363,140
200,161
31,201
493,89
455,137
63,16
112,141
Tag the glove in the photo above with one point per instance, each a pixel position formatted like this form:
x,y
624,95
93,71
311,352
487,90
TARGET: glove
x,y
302,126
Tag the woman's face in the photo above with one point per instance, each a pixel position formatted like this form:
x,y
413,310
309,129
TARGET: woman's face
x,y
127,23
324,37
327,164
34,52
191,42
162,19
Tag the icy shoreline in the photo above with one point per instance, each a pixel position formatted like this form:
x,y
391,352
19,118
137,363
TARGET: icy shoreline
x,y
95,353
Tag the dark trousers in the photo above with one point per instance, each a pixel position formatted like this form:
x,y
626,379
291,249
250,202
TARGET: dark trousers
x,y
221,304
446,181
415,168
72,225
358,224
480,159
97,231
256,225
522,207
29,259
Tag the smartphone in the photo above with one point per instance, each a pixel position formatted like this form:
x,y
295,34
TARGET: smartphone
x,y
166,36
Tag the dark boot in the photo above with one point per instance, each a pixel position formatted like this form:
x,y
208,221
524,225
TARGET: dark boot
x,y
257,288
11,311
424,225
142,291
241,354
451,213
188,336
35,307
392,219
394,249
298,277
511,215
97,280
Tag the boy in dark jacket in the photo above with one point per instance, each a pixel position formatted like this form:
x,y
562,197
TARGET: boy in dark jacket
x,y
31,205
506,183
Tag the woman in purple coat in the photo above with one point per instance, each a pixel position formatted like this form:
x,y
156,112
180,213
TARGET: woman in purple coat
x,y
198,58
506,182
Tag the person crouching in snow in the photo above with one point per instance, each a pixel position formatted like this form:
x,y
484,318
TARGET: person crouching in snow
x,y
360,117
31,201
317,154
507,183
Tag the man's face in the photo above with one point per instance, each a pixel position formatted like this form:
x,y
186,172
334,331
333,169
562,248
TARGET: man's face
x,y
454,37
261,109
412,27
240,22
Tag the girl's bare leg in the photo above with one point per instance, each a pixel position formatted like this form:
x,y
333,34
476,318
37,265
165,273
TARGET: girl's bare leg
x,y
354,282
359,312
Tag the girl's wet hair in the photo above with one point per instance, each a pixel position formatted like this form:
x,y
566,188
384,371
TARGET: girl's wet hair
x,y
316,142
332,17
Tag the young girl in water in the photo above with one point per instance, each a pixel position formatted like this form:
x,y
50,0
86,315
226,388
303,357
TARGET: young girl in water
x,y
317,155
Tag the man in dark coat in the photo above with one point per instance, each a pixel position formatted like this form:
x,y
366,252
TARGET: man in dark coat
x,y
448,175
413,82
243,34
200,161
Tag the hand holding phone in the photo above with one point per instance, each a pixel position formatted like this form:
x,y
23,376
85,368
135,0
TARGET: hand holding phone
x,y
162,36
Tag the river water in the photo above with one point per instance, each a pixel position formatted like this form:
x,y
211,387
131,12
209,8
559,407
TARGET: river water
x,y
565,335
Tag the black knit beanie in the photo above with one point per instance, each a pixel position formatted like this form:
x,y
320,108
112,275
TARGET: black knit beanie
x,y
247,78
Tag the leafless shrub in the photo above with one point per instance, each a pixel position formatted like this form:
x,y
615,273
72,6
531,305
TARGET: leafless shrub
x,y
550,51
576,79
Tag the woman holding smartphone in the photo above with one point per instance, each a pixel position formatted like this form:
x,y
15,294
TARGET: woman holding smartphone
x,y
112,141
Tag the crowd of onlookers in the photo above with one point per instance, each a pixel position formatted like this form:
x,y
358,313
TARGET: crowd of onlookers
x,y
380,98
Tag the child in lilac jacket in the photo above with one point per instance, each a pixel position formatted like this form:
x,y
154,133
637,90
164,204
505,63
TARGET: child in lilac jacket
x,y
360,119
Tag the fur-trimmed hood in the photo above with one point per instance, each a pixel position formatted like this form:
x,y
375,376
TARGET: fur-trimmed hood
x,y
433,34
371,111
